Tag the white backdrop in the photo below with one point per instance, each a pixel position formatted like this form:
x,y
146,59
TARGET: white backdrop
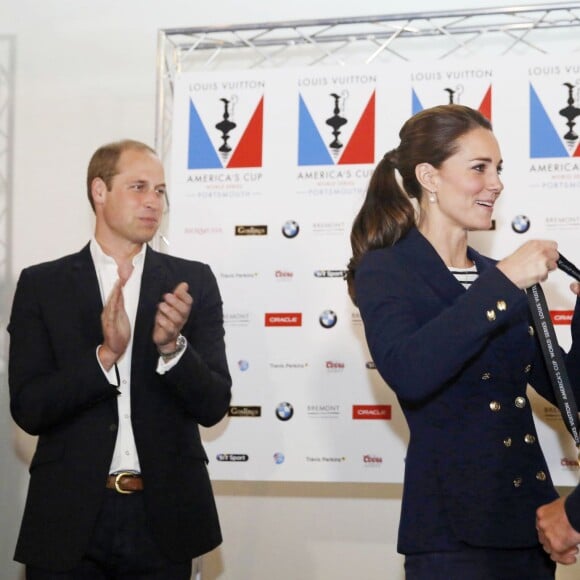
x,y
272,212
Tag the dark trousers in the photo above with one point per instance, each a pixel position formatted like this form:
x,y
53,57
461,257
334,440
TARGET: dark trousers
x,y
481,564
121,548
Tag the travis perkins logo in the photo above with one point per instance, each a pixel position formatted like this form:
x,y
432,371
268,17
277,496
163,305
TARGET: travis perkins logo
x,y
245,411
251,230
283,319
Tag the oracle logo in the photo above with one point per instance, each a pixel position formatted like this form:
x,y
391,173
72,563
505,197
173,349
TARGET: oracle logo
x,y
371,412
283,319
372,459
561,316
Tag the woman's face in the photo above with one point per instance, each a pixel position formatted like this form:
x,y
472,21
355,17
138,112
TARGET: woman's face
x,y
467,184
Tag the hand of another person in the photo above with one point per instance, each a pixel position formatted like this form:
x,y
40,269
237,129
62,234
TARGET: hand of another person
x,y
575,287
116,327
555,532
172,313
530,263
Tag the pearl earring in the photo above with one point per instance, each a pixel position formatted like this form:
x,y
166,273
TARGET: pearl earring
x,y
432,197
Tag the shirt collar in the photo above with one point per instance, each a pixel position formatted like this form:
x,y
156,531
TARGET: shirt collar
x,y
101,259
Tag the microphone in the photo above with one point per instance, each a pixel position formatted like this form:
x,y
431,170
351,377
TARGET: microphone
x,y
567,266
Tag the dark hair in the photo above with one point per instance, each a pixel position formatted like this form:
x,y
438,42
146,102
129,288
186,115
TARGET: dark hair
x,y
387,213
104,161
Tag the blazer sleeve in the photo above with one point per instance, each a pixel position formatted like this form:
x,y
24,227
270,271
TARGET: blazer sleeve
x,y
201,378
418,342
49,384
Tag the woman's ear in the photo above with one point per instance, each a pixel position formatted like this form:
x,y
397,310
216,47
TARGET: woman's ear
x,y
426,175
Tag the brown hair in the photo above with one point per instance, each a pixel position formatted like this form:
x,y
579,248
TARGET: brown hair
x,y
104,161
387,213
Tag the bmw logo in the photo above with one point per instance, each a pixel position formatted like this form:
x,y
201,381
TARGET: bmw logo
x,y
290,229
284,411
521,224
279,458
327,319
243,365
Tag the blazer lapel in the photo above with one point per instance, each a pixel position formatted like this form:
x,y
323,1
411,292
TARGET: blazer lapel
x,y
87,295
420,256
153,285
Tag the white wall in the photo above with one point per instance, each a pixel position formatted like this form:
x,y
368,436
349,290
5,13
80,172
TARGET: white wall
x,y
85,75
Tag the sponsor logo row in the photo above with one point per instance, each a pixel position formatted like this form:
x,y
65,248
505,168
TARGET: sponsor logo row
x,y
284,411
328,318
367,460
332,366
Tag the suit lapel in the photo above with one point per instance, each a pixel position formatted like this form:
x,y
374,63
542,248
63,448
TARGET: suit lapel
x,y
87,295
420,256
153,285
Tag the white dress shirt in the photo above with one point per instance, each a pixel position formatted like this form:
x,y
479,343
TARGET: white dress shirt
x,y
125,457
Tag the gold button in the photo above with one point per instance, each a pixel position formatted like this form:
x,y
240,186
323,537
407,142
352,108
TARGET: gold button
x,y
520,402
527,368
507,441
485,376
518,481
541,476
529,439
501,305
495,406
490,315
531,331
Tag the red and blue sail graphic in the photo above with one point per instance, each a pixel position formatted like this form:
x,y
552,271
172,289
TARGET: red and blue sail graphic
x,y
360,148
545,139
202,154
484,106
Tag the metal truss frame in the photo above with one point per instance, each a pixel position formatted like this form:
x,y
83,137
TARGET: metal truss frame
x,y
7,60
536,29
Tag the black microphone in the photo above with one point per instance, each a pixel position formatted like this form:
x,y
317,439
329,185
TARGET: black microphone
x,y
568,267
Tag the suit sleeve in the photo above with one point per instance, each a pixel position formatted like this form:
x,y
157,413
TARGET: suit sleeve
x,y
201,378
415,358
49,383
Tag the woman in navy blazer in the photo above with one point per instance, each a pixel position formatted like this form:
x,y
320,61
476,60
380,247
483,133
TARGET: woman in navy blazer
x,y
450,332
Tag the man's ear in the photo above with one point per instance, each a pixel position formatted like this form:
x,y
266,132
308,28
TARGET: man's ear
x,y
98,191
426,175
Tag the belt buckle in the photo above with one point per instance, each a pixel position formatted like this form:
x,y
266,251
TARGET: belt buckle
x,y
118,477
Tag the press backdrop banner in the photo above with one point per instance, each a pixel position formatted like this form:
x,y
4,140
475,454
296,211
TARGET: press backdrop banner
x,y
268,169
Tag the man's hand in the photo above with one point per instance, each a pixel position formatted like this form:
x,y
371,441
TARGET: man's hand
x,y
555,532
172,313
116,328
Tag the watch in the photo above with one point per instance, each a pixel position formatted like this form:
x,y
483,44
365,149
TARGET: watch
x,y
180,344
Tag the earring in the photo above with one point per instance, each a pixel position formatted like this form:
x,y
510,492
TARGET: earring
x,y
432,197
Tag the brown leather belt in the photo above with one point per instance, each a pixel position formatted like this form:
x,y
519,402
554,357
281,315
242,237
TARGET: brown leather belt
x,y
125,482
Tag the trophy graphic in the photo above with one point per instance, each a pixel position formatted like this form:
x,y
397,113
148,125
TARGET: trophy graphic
x,y
570,112
336,122
452,92
225,126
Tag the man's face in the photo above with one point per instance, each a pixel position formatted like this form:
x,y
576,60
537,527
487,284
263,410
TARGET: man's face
x,y
132,209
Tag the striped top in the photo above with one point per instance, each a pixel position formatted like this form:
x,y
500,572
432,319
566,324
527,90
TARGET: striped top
x,y
465,276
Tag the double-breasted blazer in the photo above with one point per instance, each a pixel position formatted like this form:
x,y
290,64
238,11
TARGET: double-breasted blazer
x,y
459,362
59,392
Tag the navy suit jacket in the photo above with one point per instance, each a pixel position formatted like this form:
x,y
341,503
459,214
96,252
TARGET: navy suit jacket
x,y
59,392
459,362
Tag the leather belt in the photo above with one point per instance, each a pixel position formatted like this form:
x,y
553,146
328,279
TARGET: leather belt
x,y
125,482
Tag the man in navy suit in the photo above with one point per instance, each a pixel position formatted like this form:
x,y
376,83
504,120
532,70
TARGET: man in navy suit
x,y
117,356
